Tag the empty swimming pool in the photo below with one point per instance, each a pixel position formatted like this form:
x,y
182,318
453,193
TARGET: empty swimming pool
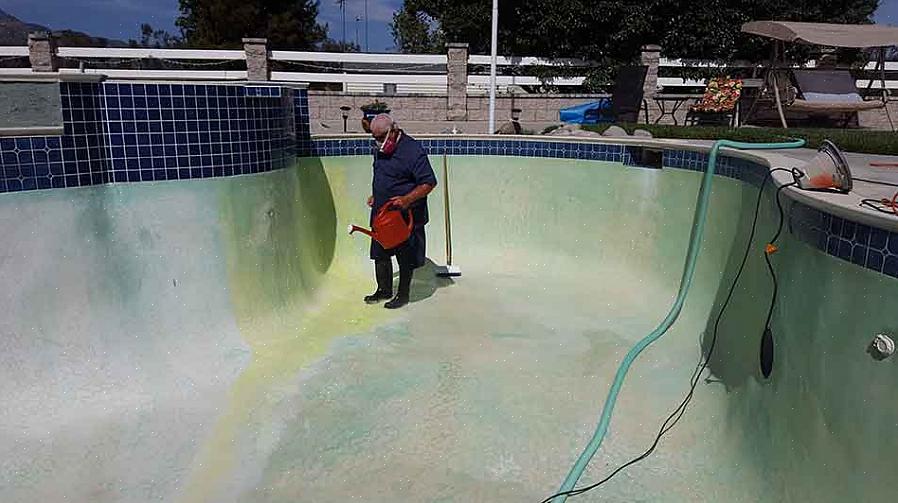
x,y
205,340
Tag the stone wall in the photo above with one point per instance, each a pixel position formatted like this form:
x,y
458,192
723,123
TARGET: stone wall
x,y
429,113
534,107
324,106
537,111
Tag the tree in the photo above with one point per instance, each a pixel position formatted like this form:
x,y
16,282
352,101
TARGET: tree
x,y
416,32
612,30
331,45
288,24
159,39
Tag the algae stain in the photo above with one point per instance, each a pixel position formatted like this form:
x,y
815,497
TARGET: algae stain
x,y
279,352
287,309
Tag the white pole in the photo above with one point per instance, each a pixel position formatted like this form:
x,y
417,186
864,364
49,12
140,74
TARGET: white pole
x,y
493,43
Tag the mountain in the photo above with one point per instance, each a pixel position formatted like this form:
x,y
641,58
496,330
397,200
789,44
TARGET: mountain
x,y
14,31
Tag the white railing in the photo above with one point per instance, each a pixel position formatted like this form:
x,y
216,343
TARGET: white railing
x,y
143,53
526,61
358,57
8,51
363,72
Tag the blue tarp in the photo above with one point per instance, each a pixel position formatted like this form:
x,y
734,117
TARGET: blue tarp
x,y
586,113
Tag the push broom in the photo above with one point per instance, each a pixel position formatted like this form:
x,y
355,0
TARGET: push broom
x,y
448,270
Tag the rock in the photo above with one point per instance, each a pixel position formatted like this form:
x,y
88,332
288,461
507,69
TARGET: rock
x,y
643,133
510,127
570,130
615,131
585,133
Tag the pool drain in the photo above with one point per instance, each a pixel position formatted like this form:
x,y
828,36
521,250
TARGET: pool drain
x,y
881,347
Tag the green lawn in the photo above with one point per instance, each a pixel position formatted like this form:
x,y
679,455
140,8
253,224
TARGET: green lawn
x,y
849,140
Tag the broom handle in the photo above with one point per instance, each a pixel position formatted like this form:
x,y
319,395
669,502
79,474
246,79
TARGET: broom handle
x,y
446,210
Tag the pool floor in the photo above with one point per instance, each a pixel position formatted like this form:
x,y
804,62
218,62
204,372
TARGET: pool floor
x,y
485,389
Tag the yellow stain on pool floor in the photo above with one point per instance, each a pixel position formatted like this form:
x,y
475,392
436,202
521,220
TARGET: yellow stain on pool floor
x,y
279,353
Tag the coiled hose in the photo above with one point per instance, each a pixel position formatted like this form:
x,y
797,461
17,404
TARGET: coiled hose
x,y
695,241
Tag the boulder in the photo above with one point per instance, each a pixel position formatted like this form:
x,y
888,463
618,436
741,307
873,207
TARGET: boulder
x,y
615,132
585,133
567,130
642,133
510,127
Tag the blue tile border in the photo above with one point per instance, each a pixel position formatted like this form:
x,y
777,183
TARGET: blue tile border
x,y
629,155
860,244
133,132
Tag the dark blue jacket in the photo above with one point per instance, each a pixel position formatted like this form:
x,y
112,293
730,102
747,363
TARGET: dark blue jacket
x,y
399,173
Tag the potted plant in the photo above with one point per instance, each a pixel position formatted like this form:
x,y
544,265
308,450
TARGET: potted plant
x,y
370,110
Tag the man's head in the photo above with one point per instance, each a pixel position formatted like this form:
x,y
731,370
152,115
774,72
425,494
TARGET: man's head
x,y
380,126
385,133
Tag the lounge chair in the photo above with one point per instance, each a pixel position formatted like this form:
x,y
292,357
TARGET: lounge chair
x,y
824,92
718,104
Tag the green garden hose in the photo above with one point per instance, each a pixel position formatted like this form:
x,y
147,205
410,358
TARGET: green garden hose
x,y
695,241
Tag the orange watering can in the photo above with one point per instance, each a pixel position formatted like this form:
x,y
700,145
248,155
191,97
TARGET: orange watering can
x,y
388,228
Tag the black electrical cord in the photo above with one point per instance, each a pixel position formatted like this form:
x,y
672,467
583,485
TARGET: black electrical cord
x,y
779,230
880,205
678,413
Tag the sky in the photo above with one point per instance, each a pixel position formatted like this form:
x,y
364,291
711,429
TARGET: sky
x,y
121,18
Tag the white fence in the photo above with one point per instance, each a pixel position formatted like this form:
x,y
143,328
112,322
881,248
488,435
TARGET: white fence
x,y
355,72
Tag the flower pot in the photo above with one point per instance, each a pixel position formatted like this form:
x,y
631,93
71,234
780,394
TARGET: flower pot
x,y
368,116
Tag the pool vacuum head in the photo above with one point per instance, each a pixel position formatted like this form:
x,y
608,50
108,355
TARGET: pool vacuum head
x,y
828,170
448,271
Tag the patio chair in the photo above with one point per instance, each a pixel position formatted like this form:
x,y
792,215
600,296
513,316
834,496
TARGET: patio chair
x,y
624,105
718,105
823,92
628,99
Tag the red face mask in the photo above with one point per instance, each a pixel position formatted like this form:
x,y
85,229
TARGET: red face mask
x,y
389,144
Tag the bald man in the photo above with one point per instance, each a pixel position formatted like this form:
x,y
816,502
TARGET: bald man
x,y
402,178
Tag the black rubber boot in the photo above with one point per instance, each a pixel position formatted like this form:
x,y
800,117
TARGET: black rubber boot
x,y
405,283
383,271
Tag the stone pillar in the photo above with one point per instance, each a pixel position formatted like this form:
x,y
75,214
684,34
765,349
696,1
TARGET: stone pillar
x,y
256,58
42,52
457,81
650,57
